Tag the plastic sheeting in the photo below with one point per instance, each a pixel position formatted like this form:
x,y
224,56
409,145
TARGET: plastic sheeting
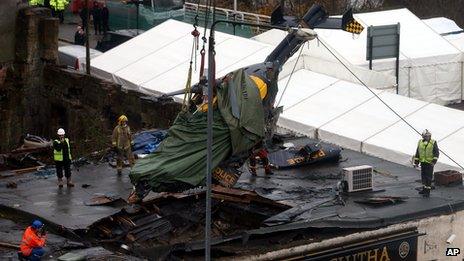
x,y
430,66
147,142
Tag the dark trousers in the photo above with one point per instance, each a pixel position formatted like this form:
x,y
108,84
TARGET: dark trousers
x,y
36,254
262,154
105,26
59,14
426,174
97,26
60,165
84,24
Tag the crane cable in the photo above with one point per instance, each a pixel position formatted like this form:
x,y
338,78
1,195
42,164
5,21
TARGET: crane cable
x,y
291,74
203,50
193,56
377,96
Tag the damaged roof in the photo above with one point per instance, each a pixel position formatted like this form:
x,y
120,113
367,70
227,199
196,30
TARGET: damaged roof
x,y
259,208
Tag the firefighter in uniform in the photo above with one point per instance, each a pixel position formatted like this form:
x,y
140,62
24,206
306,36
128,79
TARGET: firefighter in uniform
x,y
427,153
122,142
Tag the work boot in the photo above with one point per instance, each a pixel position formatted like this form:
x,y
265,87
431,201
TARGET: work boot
x,y
69,183
426,193
60,183
422,191
267,170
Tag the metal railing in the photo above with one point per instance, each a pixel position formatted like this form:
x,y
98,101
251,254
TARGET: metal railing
x,y
191,10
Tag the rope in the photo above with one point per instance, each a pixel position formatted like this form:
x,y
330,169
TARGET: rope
x,y
380,99
188,84
290,77
188,91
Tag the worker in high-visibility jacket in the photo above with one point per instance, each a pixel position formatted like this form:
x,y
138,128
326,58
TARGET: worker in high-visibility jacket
x,y
427,154
62,157
122,142
36,2
33,241
58,7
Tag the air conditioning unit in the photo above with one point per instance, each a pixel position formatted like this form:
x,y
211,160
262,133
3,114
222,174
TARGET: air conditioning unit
x,y
357,178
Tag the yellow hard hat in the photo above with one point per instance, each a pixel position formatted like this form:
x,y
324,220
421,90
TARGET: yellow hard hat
x,y
122,118
261,85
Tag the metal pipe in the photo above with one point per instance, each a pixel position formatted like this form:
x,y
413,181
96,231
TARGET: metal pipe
x,y
209,128
209,139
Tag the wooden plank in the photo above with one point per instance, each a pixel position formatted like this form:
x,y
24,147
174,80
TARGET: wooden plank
x,y
230,198
8,245
26,170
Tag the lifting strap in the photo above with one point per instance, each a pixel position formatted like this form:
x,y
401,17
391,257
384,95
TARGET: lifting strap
x,y
188,84
188,90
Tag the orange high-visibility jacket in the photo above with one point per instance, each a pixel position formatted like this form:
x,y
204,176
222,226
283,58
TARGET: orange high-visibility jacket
x,y
30,241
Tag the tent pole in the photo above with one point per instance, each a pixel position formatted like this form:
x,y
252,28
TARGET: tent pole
x,y
398,59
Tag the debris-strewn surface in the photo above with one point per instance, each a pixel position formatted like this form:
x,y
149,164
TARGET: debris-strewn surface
x,y
261,213
11,234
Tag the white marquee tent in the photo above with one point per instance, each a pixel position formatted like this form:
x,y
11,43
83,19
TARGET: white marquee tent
x,y
430,66
351,116
157,61
318,105
448,29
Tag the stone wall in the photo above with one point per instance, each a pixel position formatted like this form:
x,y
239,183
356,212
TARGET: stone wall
x,y
37,97
20,99
8,11
87,107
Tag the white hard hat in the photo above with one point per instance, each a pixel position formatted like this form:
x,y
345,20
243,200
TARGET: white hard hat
x,y
60,131
426,133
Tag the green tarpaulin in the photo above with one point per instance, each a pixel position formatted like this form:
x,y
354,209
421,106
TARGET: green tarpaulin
x,y
181,158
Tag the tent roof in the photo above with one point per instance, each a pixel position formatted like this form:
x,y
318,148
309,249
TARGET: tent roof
x,y
417,40
351,116
442,25
414,34
449,29
158,60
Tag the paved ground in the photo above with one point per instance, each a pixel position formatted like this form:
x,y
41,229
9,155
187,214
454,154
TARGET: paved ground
x,y
69,27
41,196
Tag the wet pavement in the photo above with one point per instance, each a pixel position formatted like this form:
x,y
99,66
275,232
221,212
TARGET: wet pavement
x,y
66,206
69,27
